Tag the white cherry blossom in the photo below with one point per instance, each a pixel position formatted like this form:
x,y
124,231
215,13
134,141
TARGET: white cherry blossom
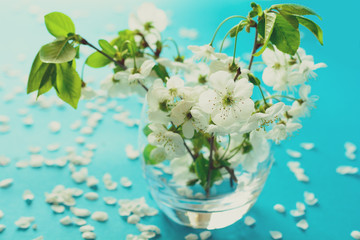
x,y
190,117
228,102
205,52
172,142
147,17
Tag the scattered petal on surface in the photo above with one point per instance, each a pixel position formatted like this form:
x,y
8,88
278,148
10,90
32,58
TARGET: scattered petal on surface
x,y
276,234
249,221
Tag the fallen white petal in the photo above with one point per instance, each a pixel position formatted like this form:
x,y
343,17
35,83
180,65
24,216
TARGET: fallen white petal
x,y
54,126
293,154
302,224
110,200
131,153
343,170
58,208
307,146
66,221
355,234
279,208
88,235
100,216
28,195
86,228
2,227
92,196
276,234
205,235
4,161
249,221
133,219
125,182
6,183
80,212
191,236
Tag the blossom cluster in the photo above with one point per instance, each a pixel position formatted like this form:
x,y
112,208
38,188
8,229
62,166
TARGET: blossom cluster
x,y
195,103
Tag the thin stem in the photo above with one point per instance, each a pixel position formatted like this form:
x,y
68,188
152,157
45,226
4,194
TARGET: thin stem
x,y
176,46
82,71
222,43
254,48
281,96
188,149
208,183
147,44
224,21
262,94
297,54
232,175
238,72
84,42
236,36
227,148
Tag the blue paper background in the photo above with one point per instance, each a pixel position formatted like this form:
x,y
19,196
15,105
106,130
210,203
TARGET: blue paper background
x,y
334,121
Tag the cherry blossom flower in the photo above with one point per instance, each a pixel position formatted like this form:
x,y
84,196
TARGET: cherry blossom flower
x,y
303,106
147,17
205,52
170,141
190,117
228,102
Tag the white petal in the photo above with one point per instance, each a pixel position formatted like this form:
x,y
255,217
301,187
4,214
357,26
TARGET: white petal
x,y
188,129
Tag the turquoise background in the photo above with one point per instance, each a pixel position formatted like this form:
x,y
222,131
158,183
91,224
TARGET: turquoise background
x,y
335,121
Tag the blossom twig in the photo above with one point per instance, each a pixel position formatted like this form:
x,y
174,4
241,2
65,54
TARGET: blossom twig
x,y
208,183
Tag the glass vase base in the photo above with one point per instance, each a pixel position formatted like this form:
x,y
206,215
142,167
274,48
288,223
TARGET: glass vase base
x,y
204,219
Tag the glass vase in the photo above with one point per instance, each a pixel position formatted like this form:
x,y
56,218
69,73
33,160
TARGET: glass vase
x,y
227,202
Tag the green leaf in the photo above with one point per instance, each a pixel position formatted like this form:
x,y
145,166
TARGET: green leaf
x,y
270,19
59,24
201,169
59,51
97,60
149,157
292,20
68,84
284,36
254,80
294,9
313,27
147,130
34,81
237,28
41,76
47,79
107,48
161,72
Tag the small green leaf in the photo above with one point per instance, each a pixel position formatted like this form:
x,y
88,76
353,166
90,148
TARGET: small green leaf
x,y
201,169
254,80
149,157
97,60
270,19
47,79
147,130
59,24
291,19
68,84
294,9
59,51
34,81
285,37
238,28
161,72
107,48
313,27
